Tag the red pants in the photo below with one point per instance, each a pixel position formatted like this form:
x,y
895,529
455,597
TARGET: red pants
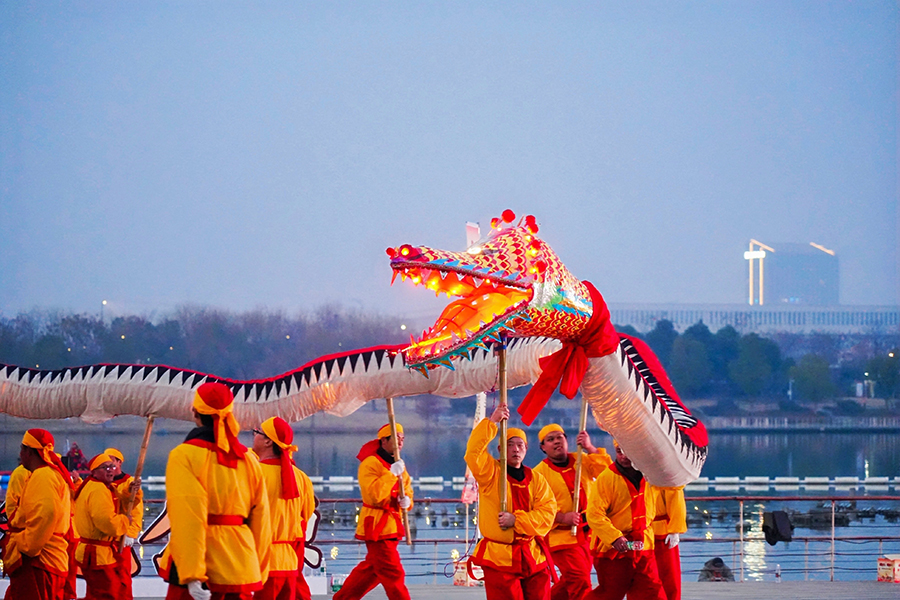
x,y
30,582
633,574
102,583
574,563
69,591
301,586
278,587
382,565
181,593
123,569
668,564
503,585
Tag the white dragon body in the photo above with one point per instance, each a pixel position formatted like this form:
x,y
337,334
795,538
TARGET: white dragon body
x,y
511,288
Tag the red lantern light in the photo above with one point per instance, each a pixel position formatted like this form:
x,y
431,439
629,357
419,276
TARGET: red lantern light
x,y
495,223
508,216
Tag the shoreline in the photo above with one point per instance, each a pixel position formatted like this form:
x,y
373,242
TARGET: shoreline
x,y
361,422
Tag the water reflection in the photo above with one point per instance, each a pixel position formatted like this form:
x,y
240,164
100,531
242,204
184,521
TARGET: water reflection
x,y
755,545
439,452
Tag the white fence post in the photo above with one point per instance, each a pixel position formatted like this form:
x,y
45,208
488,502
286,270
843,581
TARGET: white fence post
x,y
741,526
832,540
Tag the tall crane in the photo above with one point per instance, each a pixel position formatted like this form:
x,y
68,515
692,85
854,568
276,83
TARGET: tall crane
x,y
752,255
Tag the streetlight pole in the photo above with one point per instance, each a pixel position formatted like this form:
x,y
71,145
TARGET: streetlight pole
x,y
102,304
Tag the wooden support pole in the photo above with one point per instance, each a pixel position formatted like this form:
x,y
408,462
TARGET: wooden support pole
x,y
404,514
138,469
576,496
501,366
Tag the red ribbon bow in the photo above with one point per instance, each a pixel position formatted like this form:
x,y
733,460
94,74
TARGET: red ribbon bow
x,y
566,367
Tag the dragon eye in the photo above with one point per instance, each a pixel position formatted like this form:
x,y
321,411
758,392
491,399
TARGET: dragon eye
x,y
405,250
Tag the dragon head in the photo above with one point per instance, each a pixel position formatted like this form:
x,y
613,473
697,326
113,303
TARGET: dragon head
x,y
509,283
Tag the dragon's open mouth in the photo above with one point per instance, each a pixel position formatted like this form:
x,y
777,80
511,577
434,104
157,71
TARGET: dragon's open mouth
x,y
484,303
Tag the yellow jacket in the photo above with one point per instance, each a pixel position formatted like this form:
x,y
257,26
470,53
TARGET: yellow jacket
x,y
379,518
137,510
289,518
671,512
99,525
221,531
496,548
591,465
43,517
17,480
609,511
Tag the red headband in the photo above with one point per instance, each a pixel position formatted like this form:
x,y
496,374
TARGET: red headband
x,y
215,399
281,434
42,441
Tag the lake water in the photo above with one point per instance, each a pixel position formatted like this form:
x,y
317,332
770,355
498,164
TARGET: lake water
x,y
440,452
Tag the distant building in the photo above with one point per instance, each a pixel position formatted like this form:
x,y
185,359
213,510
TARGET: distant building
x,y
803,274
769,318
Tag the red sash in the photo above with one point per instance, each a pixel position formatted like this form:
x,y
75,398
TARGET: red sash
x,y
638,511
520,499
568,474
233,520
392,510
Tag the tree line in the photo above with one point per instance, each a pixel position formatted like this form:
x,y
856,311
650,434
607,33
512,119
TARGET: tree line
x,y
246,345
259,344
786,367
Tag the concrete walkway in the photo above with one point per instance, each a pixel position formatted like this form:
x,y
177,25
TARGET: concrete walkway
x,y
793,590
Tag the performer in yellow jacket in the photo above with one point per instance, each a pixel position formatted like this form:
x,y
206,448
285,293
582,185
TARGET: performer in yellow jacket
x,y
17,480
36,556
70,592
513,553
571,553
218,508
668,525
100,527
621,507
122,483
380,523
291,504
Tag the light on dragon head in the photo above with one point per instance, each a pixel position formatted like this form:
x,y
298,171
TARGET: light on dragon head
x,y
499,286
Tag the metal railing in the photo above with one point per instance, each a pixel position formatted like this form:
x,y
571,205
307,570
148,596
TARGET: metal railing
x,y
837,537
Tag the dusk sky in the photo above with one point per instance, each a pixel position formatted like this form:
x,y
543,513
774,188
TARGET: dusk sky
x,y
248,155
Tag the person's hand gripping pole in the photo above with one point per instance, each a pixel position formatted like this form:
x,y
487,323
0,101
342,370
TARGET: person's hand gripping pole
x,y
576,494
138,469
398,463
501,371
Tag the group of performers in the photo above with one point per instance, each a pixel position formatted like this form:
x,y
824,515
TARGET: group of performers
x,y
46,506
238,518
625,528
